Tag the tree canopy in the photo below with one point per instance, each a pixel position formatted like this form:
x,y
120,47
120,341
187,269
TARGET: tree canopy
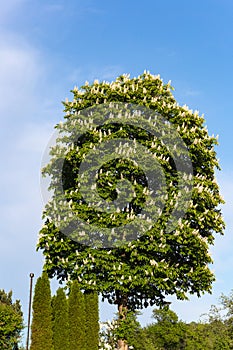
x,y
159,262
11,320
168,332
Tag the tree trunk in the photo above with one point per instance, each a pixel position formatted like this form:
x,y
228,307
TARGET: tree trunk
x,y
122,345
122,310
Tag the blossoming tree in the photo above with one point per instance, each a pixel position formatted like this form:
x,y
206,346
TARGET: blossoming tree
x,y
143,270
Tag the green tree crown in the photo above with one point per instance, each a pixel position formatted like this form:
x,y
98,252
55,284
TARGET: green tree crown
x,y
158,263
11,320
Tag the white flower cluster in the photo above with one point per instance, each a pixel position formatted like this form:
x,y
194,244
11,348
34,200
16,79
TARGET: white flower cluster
x,y
108,339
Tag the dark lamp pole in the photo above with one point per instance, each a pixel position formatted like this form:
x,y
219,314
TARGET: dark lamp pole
x,y
29,310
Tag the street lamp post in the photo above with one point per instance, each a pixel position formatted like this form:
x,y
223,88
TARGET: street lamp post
x,y
29,310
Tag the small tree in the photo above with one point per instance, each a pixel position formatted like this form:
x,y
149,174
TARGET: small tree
x,y
168,332
76,312
11,321
60,320
226,302
161,261
92,320
41,329
130,329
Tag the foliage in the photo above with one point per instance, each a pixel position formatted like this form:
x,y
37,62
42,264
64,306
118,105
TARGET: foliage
x,y
203,336
167,333
92,320
110,333
108,338
60,320
140,341
11,321
214,332
198,337
157,263
76,312
160,262
226,302
41,329
227,305
130,329
170,333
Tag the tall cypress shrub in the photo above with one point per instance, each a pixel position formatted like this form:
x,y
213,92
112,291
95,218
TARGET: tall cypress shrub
x,y
41,331
60,321
76,311
92,320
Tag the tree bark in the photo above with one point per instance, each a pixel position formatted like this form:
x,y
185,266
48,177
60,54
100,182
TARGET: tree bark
x,y
122,345
122,310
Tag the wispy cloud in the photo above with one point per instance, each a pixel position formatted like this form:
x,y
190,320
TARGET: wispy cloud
x,y
55,7
80,9
109,73
8,7
24,108
20,71
192,92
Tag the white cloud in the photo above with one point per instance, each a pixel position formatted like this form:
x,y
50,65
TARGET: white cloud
x,y
35,137
20,71
8,7
192,92
21,203
109,73
21,207
23,98
54,7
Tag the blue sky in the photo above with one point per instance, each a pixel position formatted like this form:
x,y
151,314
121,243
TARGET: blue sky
x,y
47,47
